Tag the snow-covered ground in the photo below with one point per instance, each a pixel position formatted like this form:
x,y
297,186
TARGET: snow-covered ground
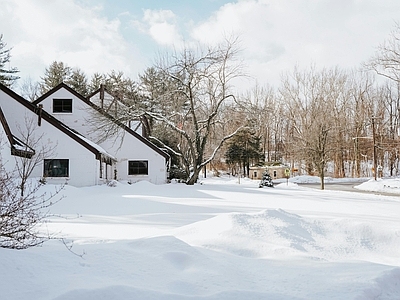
x,y
215,240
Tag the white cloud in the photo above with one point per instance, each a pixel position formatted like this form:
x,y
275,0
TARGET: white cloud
x,y
161,25
42,31
278,34
275,35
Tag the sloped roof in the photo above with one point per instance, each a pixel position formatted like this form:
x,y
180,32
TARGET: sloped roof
x,y
18,147
100,153
97,108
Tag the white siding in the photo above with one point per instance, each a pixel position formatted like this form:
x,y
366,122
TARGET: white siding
x,y
83,166
76,119
130,148
6,159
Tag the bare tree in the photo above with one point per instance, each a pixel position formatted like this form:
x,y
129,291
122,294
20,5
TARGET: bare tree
x,y
21,214
310,98
202,89
386,61
22,206
31,143
30,90
390,94
263,112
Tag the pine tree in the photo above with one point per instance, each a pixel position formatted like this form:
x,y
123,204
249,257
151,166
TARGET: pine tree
x,y
243,150
7,76
56,73
59,72
78,81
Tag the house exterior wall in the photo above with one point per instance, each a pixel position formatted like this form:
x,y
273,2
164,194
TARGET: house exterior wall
x,y
276,172
77,119
6,159
83,166
127,148
124,146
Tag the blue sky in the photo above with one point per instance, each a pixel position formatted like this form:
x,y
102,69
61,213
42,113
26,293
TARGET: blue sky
x,y
275,35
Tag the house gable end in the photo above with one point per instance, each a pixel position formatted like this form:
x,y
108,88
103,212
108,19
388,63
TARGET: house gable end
x,y
104,113
52,120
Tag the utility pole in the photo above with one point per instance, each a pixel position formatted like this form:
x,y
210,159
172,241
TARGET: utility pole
x,y
374,143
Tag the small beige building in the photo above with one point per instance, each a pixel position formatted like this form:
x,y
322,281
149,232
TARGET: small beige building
x,y
276,172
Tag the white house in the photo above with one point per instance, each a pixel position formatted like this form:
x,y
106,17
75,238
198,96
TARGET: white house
x,y
66,155
137,158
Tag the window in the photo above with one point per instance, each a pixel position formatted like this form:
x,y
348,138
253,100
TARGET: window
x,y
138,167
62,105
56,168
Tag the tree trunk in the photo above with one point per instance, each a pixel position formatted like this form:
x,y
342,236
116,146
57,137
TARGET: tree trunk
x,y
322,176
194,176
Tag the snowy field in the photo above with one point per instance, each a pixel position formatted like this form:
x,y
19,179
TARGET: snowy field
x,y
215,240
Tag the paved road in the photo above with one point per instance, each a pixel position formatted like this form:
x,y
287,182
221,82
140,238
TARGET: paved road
x,y
344,186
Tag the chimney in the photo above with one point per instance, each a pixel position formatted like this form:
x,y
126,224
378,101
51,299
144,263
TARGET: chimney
x,y
102,95
40,114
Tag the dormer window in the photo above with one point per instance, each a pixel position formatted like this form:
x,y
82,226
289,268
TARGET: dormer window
x,y
62,105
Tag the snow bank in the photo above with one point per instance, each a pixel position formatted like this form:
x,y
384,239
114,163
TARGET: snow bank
x,y
391,185
277,234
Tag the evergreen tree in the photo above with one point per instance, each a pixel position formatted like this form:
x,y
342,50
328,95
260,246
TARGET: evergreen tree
x,y
59,72
96,80
56,73
7,76
244,150
78,81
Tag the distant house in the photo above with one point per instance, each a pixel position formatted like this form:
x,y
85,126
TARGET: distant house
x,y
136,157
276,172
67,155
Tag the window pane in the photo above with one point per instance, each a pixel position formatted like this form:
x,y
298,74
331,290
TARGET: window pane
x,y
138,167
62,105
56,168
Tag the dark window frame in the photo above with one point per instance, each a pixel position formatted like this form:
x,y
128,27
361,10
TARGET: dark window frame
x,y
138,167
56,167
62,105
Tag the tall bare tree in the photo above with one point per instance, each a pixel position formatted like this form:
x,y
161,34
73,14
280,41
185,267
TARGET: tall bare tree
x,y
310,99
386,61
31,143
202,88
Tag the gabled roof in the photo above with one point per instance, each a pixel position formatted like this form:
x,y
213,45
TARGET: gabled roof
x,y
99,153
98,109
18,147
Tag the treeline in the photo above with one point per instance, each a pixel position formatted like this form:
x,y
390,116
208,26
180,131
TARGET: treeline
x,y
343,121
